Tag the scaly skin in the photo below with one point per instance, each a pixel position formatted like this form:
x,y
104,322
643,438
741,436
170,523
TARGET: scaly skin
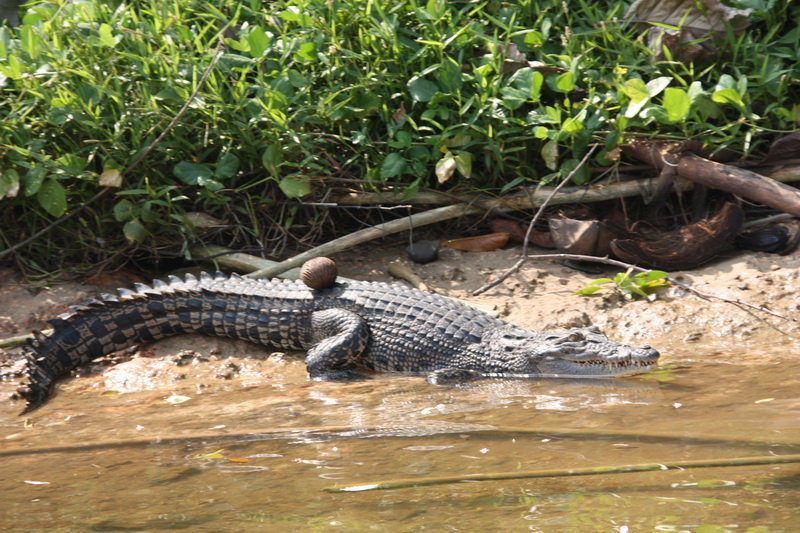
x,y
352,325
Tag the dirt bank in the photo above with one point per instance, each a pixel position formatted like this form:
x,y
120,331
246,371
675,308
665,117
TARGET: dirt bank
x,y
539,296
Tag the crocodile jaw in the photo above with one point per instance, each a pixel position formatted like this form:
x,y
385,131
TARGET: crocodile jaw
x,y
625,361
574,352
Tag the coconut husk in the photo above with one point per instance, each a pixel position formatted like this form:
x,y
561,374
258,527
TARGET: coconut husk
x,y
685,248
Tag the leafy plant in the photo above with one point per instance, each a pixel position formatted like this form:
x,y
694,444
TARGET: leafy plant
x,y
434,94
630,287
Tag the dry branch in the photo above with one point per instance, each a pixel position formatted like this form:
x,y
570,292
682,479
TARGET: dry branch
x,y
534,197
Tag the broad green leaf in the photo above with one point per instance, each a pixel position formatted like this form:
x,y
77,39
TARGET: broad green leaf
x,y
636,90
565,82
307,52
402,140
9,183
422,90
297,80
72,164
449,75
227,166
513,98
195,174
272,158
573,124
106,36
695,91
537,80
33,180
651,275
258,41
11,68
394,165
29,40
464,164
294,187
726,81
52,197
728,96
436,8
445,167
134,231
124,210
677,103
587,291
533,38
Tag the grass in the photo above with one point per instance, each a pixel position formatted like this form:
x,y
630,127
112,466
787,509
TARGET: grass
x,y
315,94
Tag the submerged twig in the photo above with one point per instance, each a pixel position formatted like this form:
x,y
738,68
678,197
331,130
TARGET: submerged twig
x,y
622,469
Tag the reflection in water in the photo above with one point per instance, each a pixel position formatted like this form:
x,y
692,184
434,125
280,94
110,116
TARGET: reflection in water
x,y
236,458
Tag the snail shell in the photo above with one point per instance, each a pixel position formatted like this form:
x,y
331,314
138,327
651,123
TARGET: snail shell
x,y
319,273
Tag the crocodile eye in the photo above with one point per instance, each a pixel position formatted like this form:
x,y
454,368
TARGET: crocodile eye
x,y
575,336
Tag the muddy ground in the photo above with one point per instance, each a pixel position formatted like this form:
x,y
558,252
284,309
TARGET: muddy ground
x,y
538,296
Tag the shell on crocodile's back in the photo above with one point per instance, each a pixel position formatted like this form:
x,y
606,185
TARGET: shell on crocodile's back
x,y
319,273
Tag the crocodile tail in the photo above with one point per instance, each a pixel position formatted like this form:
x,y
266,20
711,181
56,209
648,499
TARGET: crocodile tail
x,y
41,379
104,326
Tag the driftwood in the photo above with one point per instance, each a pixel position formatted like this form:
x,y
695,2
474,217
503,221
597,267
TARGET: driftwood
x,y
237,261
368,234
740,182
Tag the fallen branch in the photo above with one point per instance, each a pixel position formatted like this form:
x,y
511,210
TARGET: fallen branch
x,y
568,472
237,261
527,199
368,234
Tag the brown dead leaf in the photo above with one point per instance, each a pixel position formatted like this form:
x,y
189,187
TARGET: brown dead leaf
x,y
699,27
518,230
399,114
110,178
481,243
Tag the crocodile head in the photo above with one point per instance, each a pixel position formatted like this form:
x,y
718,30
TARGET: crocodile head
x,y
574,352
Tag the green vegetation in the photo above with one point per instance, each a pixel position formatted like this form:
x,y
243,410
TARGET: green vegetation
x,y
311,94
630,287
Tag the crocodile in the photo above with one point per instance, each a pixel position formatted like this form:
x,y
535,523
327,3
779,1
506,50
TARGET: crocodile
x,y
344,328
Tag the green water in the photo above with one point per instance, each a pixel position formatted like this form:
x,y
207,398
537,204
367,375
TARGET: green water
x,y
254,455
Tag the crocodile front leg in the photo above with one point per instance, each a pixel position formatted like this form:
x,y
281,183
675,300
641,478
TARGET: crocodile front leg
x,y
339,338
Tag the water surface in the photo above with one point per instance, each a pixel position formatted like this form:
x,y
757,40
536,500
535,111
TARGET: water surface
x,y
254,453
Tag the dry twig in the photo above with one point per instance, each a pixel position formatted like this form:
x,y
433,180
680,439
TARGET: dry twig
x,y
535,218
